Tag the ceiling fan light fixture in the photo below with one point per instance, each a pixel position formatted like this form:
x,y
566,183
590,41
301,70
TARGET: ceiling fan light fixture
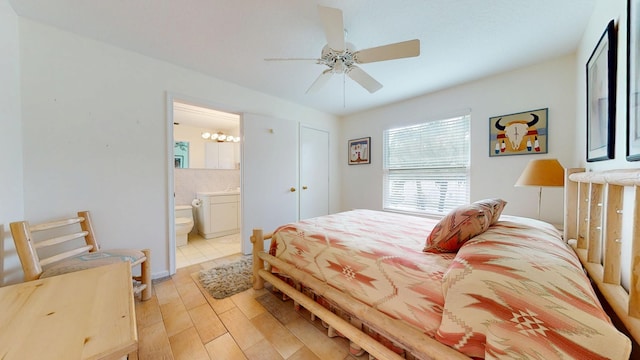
x,y
341,57
338,67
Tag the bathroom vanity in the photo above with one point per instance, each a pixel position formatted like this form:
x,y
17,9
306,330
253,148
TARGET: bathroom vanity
x,y
219,214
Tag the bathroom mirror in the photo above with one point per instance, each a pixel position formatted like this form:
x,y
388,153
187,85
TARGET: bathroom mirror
x,y
181,154
198,153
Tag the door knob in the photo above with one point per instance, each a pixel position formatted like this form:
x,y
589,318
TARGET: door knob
x,y
304,188
292,189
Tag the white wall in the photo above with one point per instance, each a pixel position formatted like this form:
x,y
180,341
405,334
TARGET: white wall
x,y
11,190
95,133
546,85
605,11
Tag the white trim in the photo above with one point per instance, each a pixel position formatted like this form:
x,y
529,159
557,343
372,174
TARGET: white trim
x,y
170,185
171,98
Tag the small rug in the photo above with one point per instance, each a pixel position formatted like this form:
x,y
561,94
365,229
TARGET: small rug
x,y
283,311
228,279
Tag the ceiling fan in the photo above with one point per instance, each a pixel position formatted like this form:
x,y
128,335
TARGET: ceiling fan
x,y
341,57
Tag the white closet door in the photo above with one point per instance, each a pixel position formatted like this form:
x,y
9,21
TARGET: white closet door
x,y
314,172
269,169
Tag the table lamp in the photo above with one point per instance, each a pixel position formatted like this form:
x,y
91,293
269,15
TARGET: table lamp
x,y
542,172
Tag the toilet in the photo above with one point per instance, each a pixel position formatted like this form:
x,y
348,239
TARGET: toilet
x,y
184,223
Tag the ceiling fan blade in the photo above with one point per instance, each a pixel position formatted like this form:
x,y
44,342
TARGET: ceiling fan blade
x,y
398,50
333,27
365,80
320,81
291,59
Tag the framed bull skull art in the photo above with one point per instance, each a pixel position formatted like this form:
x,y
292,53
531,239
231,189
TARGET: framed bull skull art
x,y
521,133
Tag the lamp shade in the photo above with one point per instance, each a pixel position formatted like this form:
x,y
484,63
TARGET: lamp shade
x,y
542,172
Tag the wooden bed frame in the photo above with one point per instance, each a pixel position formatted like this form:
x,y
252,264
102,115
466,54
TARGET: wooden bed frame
x,y
593,218
593,225
412,340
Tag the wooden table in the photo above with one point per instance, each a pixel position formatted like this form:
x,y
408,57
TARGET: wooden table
x,y
87,314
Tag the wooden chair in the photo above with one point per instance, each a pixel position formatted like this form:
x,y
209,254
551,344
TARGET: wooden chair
x,y
57,247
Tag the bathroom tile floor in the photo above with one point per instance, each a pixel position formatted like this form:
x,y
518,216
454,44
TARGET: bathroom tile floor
x,y
199,249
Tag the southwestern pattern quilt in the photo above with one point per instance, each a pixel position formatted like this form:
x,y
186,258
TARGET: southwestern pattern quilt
x,y
375,257
515,291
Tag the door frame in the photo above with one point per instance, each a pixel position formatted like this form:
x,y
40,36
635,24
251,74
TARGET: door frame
x,y
172,97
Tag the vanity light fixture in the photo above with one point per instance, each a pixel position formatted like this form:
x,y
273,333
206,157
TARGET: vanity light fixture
x,y
219,137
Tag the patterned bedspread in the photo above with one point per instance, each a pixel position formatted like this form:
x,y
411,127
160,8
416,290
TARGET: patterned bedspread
x,y
375,257
518,291
514,291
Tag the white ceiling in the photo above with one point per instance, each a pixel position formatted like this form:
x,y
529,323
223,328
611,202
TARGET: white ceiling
x,y
461,40
205,119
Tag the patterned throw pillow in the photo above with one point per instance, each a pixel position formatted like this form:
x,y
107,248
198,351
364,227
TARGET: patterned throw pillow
x,y
457,227
494,205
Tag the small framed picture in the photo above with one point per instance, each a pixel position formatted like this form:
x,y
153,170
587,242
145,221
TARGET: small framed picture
x,y
522,133
601,97
359,151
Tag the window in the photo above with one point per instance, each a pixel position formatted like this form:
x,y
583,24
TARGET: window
x,y
426,166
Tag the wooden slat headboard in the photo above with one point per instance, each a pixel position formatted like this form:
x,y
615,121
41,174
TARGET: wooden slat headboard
x,y
597,225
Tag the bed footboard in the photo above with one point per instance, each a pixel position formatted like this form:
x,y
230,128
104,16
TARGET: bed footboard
x,y
417,343
257,239
594,216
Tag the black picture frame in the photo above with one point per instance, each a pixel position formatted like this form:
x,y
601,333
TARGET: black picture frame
x,y
601,97
633,80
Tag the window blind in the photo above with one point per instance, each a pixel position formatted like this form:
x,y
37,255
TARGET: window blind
x,y
426,166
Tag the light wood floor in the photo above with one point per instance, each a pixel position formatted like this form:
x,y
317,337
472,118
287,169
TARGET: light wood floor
x,y
183,322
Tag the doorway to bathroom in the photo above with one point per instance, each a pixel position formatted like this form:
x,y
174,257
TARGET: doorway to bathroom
x,y
205,161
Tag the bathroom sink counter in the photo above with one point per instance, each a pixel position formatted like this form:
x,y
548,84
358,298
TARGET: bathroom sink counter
x,y
219,214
